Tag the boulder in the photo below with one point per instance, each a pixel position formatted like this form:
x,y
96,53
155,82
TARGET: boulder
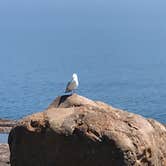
x,y
77,131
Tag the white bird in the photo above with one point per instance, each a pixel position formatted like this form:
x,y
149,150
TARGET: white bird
x,y
73,84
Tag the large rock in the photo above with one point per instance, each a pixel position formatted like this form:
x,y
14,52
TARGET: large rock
x,y
77,131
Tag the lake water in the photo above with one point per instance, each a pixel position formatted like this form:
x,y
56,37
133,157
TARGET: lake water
x,y
117,48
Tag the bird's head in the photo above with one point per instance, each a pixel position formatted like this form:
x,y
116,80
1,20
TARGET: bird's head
x,y
74,76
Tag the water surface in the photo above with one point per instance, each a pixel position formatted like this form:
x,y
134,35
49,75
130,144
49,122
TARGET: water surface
x,y
3,138
116,47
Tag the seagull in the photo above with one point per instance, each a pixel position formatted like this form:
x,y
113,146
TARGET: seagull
x,y
73,84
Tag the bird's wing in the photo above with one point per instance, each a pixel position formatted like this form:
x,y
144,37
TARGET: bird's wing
x,y
67,87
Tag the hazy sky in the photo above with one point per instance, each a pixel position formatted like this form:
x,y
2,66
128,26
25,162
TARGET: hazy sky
x,y
41,32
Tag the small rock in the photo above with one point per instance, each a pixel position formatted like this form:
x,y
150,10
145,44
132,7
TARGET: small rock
x,y
4,155
6,125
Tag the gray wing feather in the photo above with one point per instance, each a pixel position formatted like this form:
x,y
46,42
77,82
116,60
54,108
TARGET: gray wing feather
x,y
67,87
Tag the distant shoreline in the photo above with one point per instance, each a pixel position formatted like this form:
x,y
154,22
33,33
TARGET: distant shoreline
x,y
6,125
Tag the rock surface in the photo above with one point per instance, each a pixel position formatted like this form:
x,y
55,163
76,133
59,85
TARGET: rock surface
x,y
4,155
77,131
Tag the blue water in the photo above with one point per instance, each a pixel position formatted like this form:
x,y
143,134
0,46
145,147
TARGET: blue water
x,y
117,48
3,138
